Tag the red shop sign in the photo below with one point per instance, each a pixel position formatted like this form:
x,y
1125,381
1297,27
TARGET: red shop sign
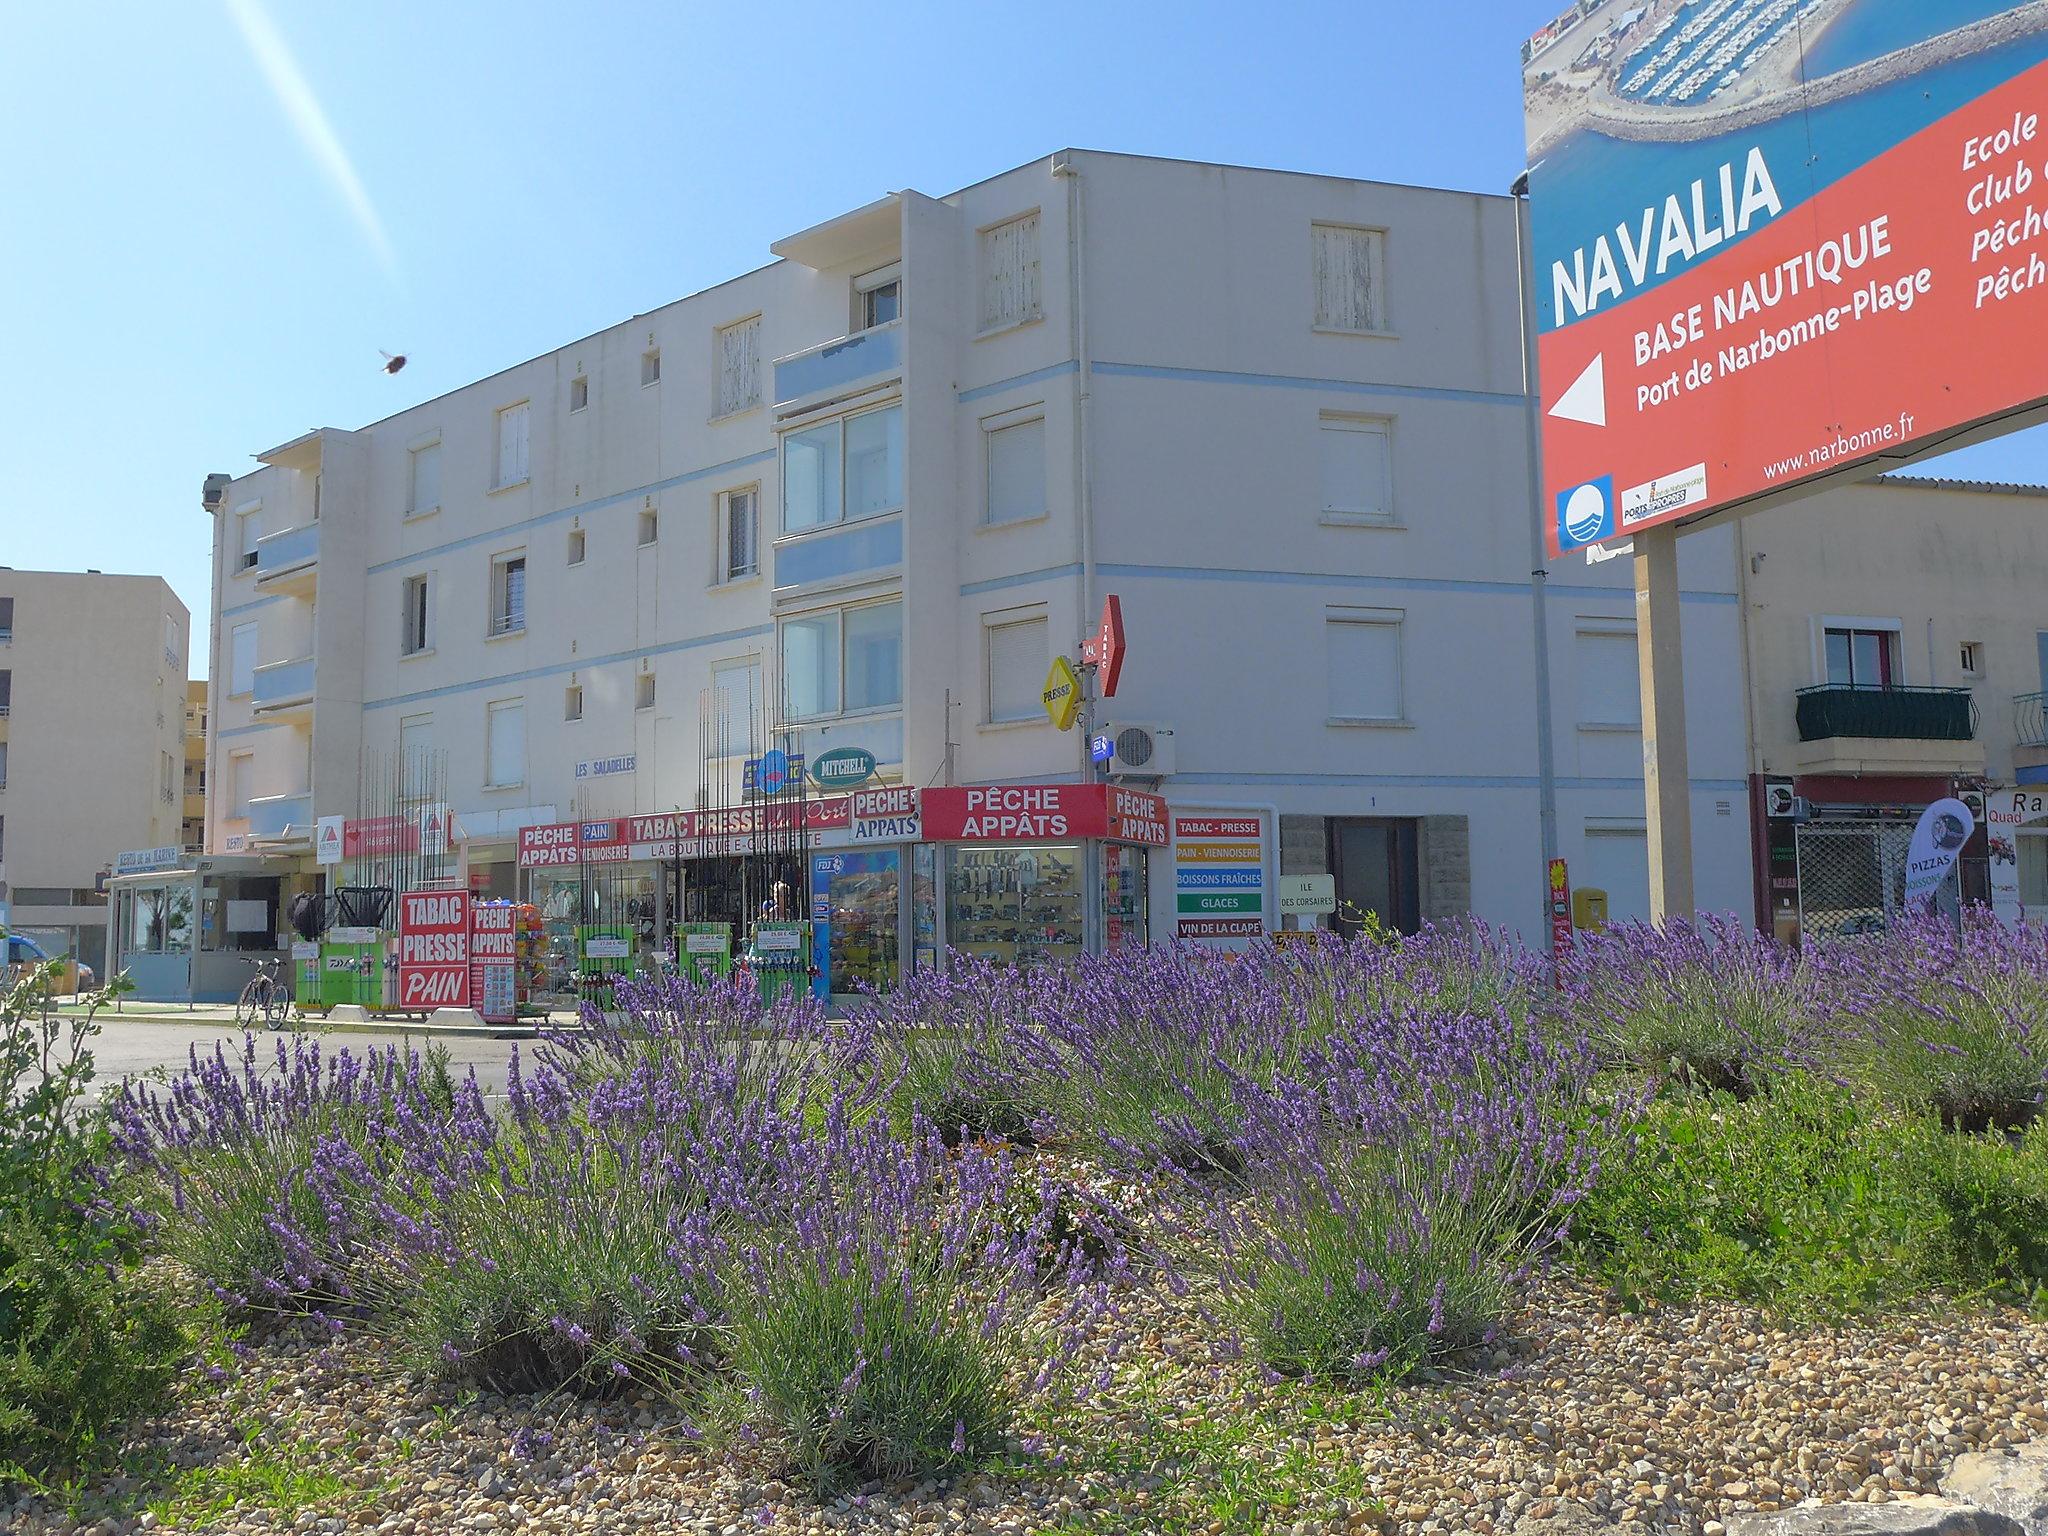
x,y
1022,813
433,949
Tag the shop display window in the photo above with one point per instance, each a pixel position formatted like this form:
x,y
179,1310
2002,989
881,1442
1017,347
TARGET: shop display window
x,y
859,901
1016,905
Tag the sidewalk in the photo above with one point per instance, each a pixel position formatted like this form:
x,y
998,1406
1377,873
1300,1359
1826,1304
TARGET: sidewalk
x,y
223,1014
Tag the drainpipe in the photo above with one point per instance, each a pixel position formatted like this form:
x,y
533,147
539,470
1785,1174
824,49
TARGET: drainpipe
x,y
1539,573
1063,166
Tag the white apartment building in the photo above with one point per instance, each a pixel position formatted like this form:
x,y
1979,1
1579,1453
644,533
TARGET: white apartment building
x,y
92,730
884,479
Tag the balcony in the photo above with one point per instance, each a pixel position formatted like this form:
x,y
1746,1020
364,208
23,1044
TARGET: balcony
x,y
284,689
1852,730
277,818
285,562
838,368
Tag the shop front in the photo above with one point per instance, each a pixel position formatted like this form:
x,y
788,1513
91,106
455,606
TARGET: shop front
x,y
195,931
1038,873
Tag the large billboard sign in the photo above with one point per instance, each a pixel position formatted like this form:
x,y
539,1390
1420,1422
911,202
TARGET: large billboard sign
x,y
1778,239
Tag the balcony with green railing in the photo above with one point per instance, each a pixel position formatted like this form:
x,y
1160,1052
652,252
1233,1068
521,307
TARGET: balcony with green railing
x,y
1886,714
2030,720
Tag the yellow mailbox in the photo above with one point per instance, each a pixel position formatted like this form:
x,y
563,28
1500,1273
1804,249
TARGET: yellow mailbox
x,y
1589,908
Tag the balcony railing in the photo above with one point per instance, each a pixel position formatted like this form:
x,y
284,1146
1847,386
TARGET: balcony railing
x,y
287,551
1891,714
283,682
836,365
2030,720
275,815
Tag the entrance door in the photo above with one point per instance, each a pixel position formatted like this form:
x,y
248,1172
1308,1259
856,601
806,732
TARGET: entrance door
x,y
1373,858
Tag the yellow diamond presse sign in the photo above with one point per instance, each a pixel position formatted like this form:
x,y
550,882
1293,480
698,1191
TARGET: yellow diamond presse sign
x,y
1062,694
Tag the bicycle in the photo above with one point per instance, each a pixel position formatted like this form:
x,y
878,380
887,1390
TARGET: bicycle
x,y
266,996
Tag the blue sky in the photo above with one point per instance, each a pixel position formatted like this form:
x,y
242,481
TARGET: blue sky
x,y
218,211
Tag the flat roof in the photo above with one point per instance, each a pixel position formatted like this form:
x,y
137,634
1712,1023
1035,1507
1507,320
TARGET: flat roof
x,y
1980,487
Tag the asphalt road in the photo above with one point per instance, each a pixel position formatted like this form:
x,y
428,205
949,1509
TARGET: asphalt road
x,y
136,1047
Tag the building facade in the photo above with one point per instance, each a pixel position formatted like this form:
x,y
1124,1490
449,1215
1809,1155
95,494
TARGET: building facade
x,y
1896,646
92,720
860,498
192,816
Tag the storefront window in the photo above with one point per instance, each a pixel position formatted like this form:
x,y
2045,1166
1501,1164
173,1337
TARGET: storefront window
x,y
1015,905
859,895
1123,896
160,920
924,906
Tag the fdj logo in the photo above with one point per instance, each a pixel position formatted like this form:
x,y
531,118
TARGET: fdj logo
x,y
1585,513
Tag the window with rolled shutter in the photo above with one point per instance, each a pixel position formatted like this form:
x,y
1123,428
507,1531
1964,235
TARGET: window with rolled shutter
x,y
1016,472
505,730
1349,277
1358,482
739,366
1010,273
242,660
1018,654
1365,666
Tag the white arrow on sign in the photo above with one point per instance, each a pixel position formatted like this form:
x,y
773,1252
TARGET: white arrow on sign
x,y
1586,399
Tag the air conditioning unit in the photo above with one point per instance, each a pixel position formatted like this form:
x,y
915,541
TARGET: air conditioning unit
x,y
1139,751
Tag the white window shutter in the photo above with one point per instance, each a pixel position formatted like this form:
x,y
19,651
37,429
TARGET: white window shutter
x,y
1010,273
242,661
1347,277
426,477
1357,472
507,746
1016,472
739,366
1018,654
1365,669
1609,692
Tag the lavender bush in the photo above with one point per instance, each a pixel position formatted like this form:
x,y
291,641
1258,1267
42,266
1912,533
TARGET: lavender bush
x,y
1710,1004
879,1326
1452,968
1396,1189
1947,1019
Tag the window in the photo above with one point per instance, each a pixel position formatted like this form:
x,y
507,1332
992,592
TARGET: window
x,y
1604,660
1862,658
878,297
577,546
841,470
736,687
415,738
1971,658
1357,467
1365,664
513,424
739,527
414,635
1009,273
508,595
650,526
643,691
248,529
572,702
1350,277
579,392
7,692
1018,652
739,366
424,495
650,367
174,642
242,660
505,744
3,765
6,618
1016,471
854,655
166,777
241,782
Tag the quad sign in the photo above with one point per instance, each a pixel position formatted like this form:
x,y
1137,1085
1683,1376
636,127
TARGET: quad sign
x,y
1777,239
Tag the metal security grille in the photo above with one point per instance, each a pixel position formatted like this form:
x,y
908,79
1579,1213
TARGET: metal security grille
x,y
1852,876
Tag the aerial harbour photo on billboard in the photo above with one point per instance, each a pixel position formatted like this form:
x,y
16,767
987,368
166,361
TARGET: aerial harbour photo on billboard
x,y
1777,239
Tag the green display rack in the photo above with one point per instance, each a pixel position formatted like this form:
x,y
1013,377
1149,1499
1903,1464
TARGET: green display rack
x,y
704,950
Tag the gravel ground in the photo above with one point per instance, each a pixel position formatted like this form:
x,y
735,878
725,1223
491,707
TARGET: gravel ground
x,y
1667,1421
